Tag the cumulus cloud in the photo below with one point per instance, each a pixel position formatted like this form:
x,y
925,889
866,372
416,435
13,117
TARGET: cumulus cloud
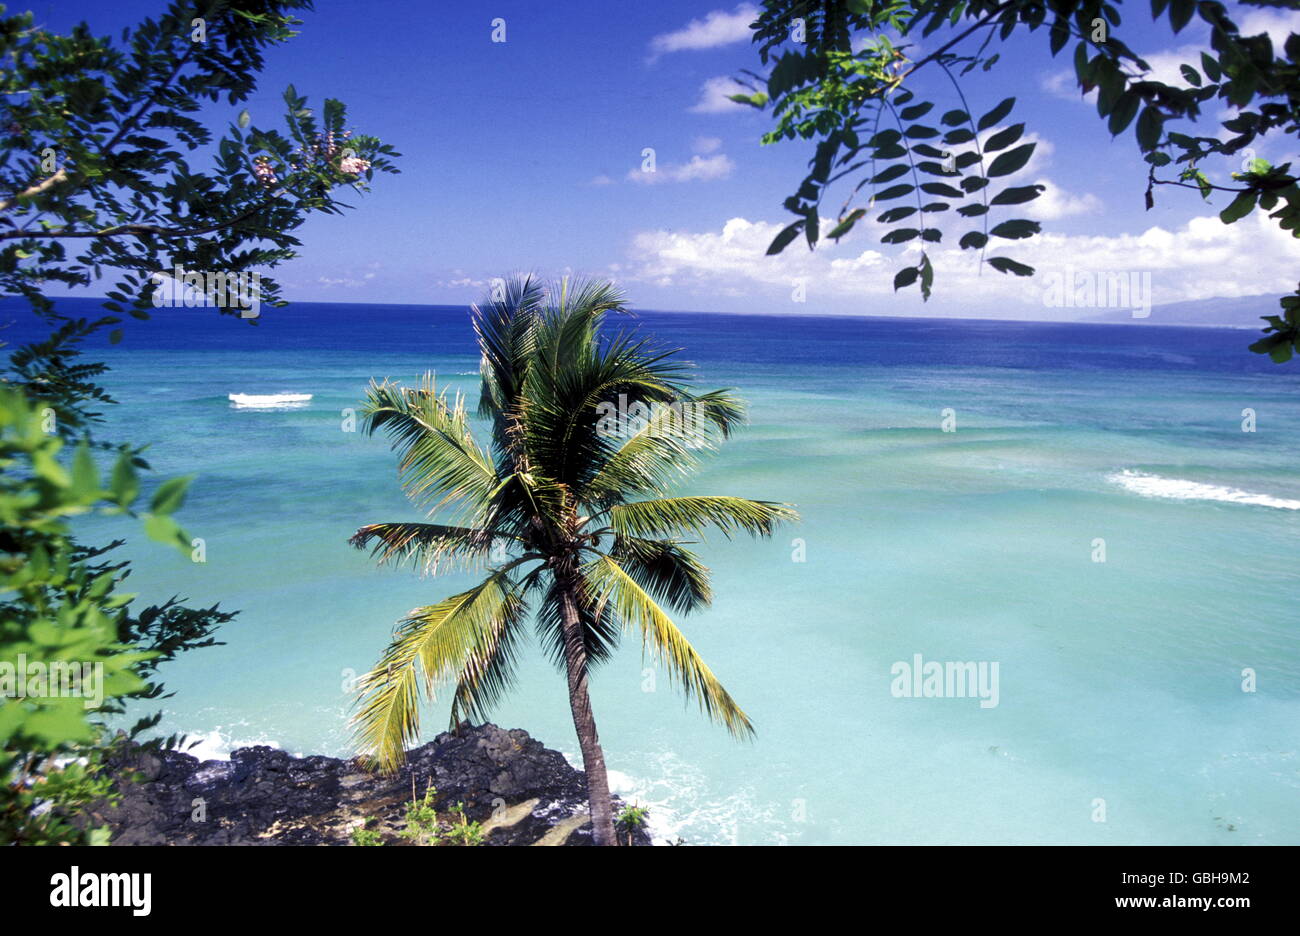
x,y
1202,259
717,28
715,96
1278,24
699,169
1055,203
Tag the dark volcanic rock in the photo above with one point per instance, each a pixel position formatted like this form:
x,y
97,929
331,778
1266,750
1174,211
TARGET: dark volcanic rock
x,y
264,796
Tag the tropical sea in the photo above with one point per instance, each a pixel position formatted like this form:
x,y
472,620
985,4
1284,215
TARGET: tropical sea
x,y
1153,697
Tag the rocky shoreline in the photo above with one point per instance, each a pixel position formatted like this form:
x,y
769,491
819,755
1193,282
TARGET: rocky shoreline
x,y
517,789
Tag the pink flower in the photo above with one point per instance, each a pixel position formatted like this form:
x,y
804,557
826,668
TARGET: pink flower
x,y
264,171
354,165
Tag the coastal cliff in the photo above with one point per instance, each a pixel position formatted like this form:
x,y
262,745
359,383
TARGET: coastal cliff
x,y
519,792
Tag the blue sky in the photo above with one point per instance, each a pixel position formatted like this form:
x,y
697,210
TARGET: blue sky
x,y
517,156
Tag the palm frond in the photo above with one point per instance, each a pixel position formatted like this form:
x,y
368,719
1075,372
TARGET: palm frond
x,y
671,516
427,545
656,451
666,570
460,634
439,460
506,324
637,610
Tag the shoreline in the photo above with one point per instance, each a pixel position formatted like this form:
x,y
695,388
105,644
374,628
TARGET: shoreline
x,y
515,789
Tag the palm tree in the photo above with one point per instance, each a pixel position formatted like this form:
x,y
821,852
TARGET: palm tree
x,y
567,509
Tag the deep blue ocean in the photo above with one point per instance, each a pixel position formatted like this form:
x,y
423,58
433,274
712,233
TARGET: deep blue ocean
x,y
1153,697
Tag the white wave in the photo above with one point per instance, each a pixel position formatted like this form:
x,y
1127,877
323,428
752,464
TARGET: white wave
x,y
683,806
217,744
1149,485
268,400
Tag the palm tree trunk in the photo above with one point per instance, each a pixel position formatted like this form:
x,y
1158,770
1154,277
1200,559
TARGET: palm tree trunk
x,y
593,758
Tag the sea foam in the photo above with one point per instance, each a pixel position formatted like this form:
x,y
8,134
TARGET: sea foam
x,y
268,400
1149,485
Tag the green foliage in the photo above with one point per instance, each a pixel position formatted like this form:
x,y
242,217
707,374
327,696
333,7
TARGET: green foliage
x,y
631,819
461,831
366,837
843,87
1282,331
60,612
422,825
94,137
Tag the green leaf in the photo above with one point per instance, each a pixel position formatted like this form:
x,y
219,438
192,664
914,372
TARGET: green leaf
x,y
894,191
972,239
1241,206
900,236
1210,67
916,111
124,484
847,224
941,189
995,115
1016,230
1017,195
170,495
1004,138
896,214
905,277
1006,265
1149,127
954,118
162,530
85,476
1126,109
782,240
1011,160
889,175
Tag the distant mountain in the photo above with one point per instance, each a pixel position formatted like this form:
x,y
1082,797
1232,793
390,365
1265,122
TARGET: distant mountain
x,y
1238,312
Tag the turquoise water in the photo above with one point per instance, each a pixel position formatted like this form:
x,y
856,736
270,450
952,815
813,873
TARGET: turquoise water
x,y
1120,681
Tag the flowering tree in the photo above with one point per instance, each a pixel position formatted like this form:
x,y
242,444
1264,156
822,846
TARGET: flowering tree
x,y
96,181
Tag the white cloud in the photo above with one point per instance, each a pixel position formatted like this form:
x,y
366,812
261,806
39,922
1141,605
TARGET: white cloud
x,y
716,29
1277,23
706,144
347,281
1055,203
1202,259
714,95
699,169
1061,84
